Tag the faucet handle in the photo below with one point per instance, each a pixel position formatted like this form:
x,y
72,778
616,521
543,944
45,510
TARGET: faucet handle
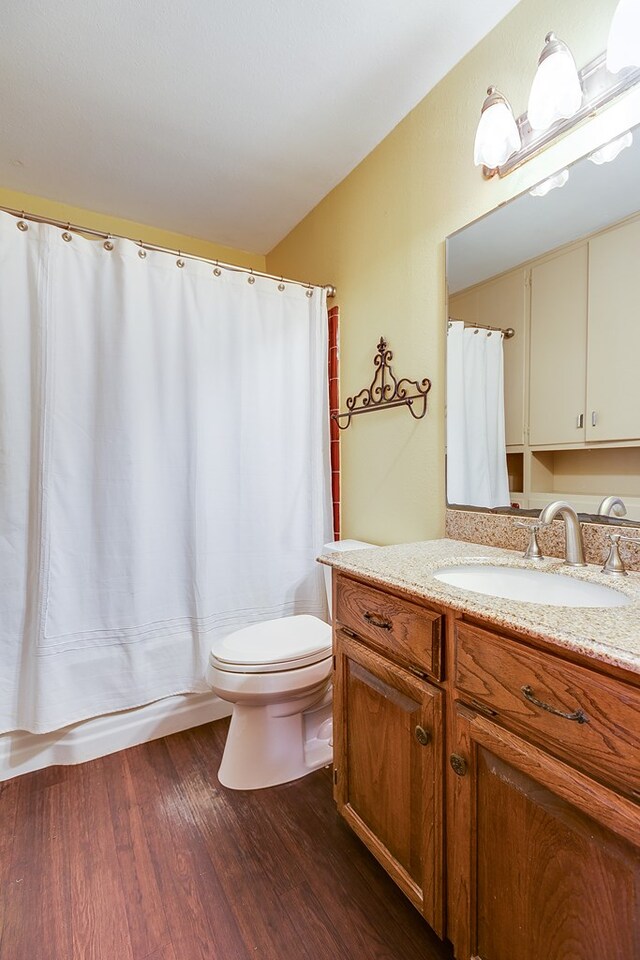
x,y
614,563
533,551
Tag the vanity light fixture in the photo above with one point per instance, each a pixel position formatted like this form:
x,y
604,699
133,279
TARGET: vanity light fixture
x,y
551,183
556,93
611,150
497,136
561,96
623,48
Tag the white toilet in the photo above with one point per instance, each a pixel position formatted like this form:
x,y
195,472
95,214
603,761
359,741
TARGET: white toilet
x,y
277,674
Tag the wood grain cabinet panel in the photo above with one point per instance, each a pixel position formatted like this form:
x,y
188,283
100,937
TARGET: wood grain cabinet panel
x,y
410,633
552,860
388,769
589,720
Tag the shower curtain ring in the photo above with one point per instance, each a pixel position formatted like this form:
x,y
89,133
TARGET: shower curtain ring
x,y
66,236
251,278
216,270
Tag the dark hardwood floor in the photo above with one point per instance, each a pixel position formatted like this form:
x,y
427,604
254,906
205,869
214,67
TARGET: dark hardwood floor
x,y
144,856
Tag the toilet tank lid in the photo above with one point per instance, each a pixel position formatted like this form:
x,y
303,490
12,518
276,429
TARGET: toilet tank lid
x,y
337,545
283,640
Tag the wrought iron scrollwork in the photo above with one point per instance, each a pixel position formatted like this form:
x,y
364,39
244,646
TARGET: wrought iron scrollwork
x,y
386,391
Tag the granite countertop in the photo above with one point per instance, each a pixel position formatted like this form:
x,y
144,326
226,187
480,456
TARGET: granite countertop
x,y
609,634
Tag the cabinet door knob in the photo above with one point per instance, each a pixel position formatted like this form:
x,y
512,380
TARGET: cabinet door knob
x,y
458,764
423,736
580,421
594,418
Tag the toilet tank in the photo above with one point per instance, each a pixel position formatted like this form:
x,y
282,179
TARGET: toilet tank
x,y
336,546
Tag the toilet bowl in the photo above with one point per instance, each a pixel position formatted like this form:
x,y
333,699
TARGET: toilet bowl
x,y
277,674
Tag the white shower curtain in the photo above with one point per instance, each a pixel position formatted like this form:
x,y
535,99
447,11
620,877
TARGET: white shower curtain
x,y
164,469
476,452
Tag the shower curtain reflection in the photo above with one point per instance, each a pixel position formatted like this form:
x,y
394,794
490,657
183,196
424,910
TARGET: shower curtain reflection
x,y
476,451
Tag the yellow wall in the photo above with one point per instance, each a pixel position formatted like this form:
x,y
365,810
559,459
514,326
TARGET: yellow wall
x,y
379,236
128,228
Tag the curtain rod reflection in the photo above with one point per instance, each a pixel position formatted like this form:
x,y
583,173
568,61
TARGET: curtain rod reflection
x,y
507,332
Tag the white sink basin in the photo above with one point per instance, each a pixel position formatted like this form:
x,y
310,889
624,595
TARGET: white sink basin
x,y
531,586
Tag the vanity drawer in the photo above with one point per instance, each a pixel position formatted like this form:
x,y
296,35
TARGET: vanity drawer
x,y
584,718
408,632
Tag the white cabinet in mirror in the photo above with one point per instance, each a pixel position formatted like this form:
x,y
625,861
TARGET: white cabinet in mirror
x,y
553,411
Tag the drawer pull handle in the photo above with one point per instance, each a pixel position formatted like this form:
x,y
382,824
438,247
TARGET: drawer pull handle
x,y
423,736
377,621
579,716
458,764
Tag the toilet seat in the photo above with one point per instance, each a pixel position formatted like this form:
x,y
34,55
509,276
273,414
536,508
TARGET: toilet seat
x,y
274,646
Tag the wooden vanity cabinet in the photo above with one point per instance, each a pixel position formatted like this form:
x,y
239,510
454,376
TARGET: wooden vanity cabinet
x,y
544,841
536,759
546,861
388,761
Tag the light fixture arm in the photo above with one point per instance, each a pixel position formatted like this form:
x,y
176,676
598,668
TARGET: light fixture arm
x,y
600,88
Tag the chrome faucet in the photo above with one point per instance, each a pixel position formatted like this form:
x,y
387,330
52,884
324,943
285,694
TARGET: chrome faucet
x,y
612,507
574,549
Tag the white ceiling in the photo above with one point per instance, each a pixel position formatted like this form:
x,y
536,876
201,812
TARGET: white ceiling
x,y
222,120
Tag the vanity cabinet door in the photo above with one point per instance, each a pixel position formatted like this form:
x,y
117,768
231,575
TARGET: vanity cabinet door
x,y
613,385
545,861
558,348
388,769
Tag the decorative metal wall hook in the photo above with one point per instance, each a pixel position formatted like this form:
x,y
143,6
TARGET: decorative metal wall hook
x,y
386,391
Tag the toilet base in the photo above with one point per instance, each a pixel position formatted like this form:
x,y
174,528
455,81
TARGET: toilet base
x,y
276,743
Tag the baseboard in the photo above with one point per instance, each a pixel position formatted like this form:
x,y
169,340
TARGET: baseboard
x,y
22,752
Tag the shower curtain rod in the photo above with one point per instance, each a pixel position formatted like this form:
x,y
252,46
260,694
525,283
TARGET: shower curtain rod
x,y
507,332
75,228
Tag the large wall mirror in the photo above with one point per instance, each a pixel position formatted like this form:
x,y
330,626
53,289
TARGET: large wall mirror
x,y
551,411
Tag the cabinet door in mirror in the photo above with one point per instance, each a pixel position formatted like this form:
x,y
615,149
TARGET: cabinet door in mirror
x,y
613,381
558,348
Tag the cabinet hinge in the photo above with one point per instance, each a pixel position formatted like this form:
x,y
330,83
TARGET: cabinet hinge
x,y
334,661
481,708
418,673
335,774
